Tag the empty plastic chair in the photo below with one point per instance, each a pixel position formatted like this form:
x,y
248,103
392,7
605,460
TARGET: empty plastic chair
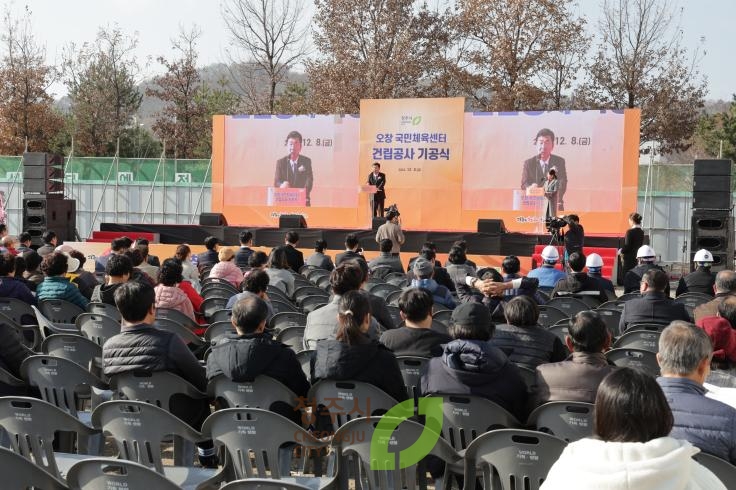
x,y
20,473
569,421
108,473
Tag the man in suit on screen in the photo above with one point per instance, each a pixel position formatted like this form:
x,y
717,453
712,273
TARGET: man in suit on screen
x,y
294,170
535,168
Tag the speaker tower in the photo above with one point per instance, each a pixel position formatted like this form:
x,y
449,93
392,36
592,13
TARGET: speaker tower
x,y
712,220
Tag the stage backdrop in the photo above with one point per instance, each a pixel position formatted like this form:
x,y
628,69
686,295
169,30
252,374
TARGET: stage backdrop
x,y
445,169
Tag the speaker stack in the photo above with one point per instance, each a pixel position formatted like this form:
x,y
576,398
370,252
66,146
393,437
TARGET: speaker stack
x,y
712,220
44,206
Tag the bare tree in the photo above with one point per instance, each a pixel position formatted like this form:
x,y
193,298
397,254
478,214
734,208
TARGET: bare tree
x,y
103,78
513,46
268,38
640,62
374,49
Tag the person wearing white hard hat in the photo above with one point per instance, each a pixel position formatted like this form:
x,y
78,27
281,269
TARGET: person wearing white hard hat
x,y
646,256
548,274
594,264
701,280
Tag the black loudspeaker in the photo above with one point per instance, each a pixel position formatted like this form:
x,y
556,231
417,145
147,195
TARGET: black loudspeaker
x,y
41,214
43,174
712,167
712,184
711,200
491,226
713,230
377,221
212,219
292,221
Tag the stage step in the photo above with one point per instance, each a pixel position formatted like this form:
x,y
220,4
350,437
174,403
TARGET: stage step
x,y
607,254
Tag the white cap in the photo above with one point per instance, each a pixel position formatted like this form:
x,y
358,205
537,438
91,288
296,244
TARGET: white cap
x,y
703,255
550,253
645,251
593,260
72,263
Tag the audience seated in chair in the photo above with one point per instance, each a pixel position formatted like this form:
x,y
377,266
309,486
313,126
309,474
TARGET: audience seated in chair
x,y
226,269
10,286
511,266
721,333
379,307
136,260
117,272
548,274
118,246
654,306
245,251
352,250
416,337
140,346
85,281
209,256
255,285
169,293
56,285
385,258
578,281
702,279
149,266
189,271
429,252
319,259
424,278
323,323
578,378
294,256
32,273
278,271
594,264
646,258
254,353
684,358
724,287
351,354
522,339
470,365
632,446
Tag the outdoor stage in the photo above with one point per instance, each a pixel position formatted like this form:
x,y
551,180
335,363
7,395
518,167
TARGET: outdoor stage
x,y
492,247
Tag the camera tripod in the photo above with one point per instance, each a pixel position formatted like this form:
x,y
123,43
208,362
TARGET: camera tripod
x,y
558,239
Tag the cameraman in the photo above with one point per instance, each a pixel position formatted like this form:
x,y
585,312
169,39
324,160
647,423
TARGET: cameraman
x,y
391,229
575,235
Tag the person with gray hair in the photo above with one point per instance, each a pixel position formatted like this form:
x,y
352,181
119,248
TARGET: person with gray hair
x,y
725,286
684,357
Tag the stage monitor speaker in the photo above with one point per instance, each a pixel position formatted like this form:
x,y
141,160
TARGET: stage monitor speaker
x,y
43,174
491,226
292,221
711,183
712,167
41,214
212,219
711,200
713,231
377,221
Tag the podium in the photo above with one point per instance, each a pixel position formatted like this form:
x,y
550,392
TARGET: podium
x,y
533,201
290,196
366,193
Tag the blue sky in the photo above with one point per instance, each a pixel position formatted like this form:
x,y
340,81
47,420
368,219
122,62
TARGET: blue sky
x,y
57,23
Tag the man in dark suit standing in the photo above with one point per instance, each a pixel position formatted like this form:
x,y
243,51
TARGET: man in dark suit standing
x,y
378,179
535,168
294,170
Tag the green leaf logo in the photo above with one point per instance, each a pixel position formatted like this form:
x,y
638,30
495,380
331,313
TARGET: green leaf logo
x,y
430,407
416,121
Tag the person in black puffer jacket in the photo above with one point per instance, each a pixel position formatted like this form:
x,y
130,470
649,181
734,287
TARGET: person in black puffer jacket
x,y
254,353
469,365
351,355
140,346
117,272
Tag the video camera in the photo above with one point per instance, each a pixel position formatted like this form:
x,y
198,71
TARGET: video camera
x,y
555,223
392,209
